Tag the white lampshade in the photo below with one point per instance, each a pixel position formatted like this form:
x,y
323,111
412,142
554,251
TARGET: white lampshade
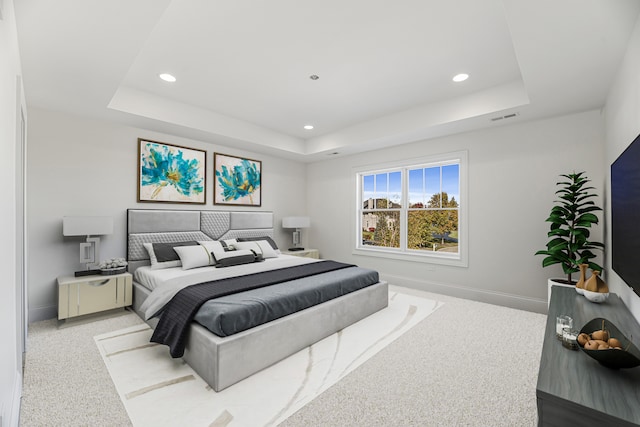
x,y
87,225
296,222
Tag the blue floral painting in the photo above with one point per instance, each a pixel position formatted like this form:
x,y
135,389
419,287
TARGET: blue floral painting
x,y
238,180
169,173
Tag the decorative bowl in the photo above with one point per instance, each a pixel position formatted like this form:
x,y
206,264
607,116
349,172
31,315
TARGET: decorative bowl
x,y
580,290
112,271
628,357
595,296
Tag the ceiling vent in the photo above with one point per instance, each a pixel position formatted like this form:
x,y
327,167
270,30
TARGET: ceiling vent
x,y
507,116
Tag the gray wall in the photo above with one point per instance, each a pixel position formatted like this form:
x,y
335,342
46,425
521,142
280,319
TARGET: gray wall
x,y
622,124
79,166
512,174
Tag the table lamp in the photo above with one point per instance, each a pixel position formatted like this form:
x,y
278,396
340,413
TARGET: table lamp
x,y
296,222
90,226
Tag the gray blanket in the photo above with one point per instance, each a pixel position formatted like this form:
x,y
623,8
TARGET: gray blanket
x,y
176,316
241,311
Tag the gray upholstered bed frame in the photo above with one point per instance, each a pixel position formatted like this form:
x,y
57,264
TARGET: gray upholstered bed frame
x,y
222,362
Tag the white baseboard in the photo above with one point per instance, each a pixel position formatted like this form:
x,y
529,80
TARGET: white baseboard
x,y
490,297
10,411
42,313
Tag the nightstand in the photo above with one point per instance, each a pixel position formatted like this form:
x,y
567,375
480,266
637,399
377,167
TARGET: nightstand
x,y
78,296
306,253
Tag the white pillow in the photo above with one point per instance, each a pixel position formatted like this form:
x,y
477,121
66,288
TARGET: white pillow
x,y
194,256
155,265
259,246
214,247
267,249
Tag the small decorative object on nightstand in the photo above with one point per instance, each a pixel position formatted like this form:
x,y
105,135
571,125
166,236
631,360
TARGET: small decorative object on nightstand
x,y
307,253
113,266
78,296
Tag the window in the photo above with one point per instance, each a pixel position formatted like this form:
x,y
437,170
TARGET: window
x,y
414,210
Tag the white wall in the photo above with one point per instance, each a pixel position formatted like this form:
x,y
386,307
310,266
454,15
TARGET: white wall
x,y
622,125
512,174
10,376
79,166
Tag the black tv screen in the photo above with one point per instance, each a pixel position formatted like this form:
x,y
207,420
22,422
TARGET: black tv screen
x,y
625,215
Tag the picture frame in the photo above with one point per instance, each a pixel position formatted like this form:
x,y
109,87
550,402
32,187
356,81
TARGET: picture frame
x,y
170,173
238,181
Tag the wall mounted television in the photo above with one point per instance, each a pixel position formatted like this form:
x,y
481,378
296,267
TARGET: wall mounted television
x,y
625,215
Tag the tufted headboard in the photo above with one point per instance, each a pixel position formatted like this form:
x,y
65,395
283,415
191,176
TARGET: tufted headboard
x,y
166,226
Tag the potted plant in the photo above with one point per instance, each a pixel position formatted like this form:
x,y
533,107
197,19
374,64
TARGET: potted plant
x,y
571,217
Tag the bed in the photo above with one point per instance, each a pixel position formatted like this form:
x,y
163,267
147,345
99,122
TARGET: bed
x,y
224,360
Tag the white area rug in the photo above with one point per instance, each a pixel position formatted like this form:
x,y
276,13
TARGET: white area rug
x,y
159,391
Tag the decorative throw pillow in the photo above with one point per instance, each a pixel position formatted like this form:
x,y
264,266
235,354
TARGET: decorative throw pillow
x,y
215,248
253,239
194,256
242,256
260,246
162,255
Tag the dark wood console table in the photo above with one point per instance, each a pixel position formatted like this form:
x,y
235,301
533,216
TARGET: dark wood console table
x,y
574,389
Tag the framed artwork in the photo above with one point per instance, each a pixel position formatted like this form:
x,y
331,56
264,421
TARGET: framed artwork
x,y
171,174
238,181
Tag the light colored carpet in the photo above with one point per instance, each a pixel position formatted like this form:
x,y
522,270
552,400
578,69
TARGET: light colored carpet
x,y
159,391
65,382
467,364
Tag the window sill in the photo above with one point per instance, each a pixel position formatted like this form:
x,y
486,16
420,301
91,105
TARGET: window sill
x,y
431,258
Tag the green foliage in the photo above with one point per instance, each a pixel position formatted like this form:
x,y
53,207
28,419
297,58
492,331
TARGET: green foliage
x,y
443,221
570,218
387,231
424,224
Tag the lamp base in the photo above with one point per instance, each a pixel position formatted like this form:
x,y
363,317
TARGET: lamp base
x,y
87,273
296,249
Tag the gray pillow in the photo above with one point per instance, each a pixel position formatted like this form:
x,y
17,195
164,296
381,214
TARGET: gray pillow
x,y
243,256
164,251
168,257
253,239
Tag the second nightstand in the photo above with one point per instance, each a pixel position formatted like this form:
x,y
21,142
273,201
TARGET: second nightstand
x,y
307,253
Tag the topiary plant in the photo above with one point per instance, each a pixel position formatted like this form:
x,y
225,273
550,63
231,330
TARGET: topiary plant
x,y
571,217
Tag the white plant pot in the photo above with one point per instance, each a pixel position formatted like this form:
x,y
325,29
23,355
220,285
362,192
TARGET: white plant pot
x,y
555,282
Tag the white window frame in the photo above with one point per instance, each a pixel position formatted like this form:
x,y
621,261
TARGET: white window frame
x,y
403,253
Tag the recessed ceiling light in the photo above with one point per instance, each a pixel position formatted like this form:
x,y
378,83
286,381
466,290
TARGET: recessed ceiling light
x,y
314,77
460,77
308,127
167,77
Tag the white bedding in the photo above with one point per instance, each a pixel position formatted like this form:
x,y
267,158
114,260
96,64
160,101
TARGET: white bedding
x,y
165,283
